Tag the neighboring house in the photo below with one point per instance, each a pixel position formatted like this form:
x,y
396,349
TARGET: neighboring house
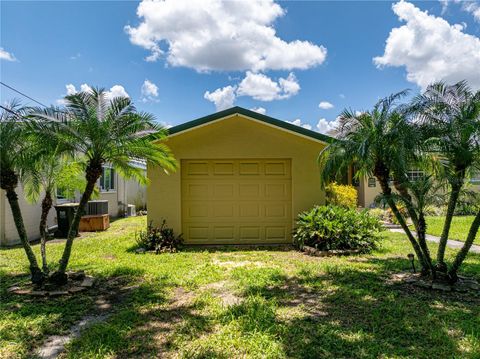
x,y
243,178
119,192
368,188
31,218
116,190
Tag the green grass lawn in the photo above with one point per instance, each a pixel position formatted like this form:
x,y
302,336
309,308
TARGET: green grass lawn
x,y
242,303
458,230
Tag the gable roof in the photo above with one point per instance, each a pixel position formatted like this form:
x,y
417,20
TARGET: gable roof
x,y
253,115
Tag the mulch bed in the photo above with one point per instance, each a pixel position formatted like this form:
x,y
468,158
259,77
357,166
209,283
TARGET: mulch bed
x,y
77,282
463,285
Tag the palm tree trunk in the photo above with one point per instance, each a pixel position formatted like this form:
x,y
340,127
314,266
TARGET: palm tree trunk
x,y
421,234
419,223
387,192
452,203
92,172
46,206
37,275
466,247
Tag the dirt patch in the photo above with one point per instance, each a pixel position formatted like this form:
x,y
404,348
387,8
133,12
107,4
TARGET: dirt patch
x,y
298,298
223,291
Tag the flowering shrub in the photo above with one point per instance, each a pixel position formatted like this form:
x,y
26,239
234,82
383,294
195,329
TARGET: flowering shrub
x,y
341,195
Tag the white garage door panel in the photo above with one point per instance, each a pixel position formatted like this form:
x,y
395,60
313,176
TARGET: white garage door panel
x,y
236,201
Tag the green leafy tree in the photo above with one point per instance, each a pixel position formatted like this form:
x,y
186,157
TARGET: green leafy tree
x,y
104,131
15,154
450,115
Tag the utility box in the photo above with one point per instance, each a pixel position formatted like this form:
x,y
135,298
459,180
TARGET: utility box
x,y
65,214
94,223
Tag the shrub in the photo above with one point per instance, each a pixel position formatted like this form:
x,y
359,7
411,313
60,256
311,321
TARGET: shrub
x,y
380,214
161,239
337,228
341,195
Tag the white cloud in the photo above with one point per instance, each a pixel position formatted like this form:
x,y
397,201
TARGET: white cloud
x,y
216,35
299,122
5,55
115,91
325,105
260,110
263,88
76,56
223,98
431,49
149,91
342,95
473,7
327,127
70,89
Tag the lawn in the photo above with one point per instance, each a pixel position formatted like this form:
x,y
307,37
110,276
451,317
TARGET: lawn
x,y
458,230
242,303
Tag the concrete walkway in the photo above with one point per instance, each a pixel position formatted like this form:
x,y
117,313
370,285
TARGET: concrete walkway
x,y
451,243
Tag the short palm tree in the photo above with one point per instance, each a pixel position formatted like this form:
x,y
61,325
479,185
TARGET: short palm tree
x,y
104,131
43,176
379,143
450,114
15,154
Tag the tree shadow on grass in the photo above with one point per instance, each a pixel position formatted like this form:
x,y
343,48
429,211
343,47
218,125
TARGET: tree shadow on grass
x,y
145,326
355,312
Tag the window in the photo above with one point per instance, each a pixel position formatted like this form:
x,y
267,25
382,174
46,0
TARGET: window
x,y
415,175
475,179
61,193
107,179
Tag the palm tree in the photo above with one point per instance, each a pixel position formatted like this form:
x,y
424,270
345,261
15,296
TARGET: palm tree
x,y
451,115
44,175
104,131
382,143
15,151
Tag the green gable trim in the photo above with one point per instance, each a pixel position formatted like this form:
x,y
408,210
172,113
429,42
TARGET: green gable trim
x,y
257,116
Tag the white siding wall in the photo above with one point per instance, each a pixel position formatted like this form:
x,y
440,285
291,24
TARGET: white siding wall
x,y
31,218
136,194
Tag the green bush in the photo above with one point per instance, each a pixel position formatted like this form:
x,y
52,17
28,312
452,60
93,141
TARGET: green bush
x,y
341,195
160,239
337,228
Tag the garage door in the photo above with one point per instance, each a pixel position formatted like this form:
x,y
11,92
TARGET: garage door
x,y
237,201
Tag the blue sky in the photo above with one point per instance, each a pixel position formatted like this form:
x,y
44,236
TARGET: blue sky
x,y
49,45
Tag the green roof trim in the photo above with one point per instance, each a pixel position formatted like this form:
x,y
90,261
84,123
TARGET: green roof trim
x,y
249,113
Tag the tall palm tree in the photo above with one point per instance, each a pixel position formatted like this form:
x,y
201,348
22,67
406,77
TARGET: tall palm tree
x,y
103,130
380,142
15,151
451,115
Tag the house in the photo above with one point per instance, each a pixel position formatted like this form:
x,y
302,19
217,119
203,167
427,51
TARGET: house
x,y
116,190
31,219
368,188
243,178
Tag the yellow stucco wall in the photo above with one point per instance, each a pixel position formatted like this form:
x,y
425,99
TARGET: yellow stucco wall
x,y
229,138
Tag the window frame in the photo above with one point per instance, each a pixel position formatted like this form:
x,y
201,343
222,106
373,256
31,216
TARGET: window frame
x,y
112,179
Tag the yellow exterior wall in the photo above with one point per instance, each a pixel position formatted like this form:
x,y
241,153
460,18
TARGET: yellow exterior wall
x,y
236,137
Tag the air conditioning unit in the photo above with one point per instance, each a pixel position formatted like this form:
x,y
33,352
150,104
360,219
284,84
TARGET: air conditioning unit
x,y
131,212
97,207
